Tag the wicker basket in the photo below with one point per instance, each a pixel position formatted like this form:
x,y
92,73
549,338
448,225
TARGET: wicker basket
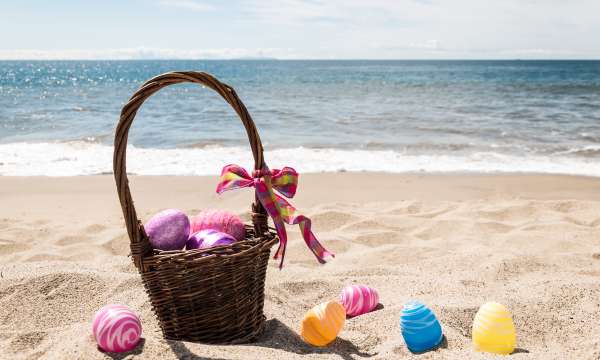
x,y
210,296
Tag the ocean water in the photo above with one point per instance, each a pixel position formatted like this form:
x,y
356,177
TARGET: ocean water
x,y
58,117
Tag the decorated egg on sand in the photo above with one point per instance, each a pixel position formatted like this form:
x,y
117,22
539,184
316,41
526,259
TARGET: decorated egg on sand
x,y
168,230
359,299
494,330
205,239
116,328
220,220
420,327
322,324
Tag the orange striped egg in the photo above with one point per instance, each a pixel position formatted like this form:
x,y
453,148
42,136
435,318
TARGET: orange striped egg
x,y
322,324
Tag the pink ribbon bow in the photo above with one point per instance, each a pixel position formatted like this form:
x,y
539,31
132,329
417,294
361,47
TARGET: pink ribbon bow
x,y
285,181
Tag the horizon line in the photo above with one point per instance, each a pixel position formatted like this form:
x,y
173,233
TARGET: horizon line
x,y
307,59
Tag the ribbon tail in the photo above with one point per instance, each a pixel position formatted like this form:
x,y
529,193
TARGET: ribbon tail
x,y
269,201
281,233
311,240
288,215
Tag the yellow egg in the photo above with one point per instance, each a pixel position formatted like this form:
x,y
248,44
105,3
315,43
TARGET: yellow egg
x,y
494,330
322,324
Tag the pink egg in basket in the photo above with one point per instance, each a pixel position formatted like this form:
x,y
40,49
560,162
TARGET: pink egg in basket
x,y
220,220
206,239
116,328
359,299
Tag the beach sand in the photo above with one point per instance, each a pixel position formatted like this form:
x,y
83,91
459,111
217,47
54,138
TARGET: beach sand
x,y
531,242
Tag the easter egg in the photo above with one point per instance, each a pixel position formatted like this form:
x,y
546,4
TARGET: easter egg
x,y
420,327
205,239
116,328
359,299
220,220
168,230
494,330
322,324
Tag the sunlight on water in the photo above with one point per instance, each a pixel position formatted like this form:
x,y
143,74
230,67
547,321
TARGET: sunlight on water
x,y
541,116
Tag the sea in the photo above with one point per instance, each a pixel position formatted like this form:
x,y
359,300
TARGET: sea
x,y
57,118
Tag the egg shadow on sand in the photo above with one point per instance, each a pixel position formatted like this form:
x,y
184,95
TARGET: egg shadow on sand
x,y
278,336
376,308
442,345
118,356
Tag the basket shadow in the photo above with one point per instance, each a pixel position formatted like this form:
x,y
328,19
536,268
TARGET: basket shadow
x,y
278,336
182,352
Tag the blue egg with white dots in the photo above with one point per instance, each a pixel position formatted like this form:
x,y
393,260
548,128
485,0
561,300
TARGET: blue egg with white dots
x,y
420,327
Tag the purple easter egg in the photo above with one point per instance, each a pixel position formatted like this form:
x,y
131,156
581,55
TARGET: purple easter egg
x,y
205,239
168,230
116,328
195,240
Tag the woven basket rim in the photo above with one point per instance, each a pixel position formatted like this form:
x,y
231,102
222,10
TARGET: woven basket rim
x,y
258,243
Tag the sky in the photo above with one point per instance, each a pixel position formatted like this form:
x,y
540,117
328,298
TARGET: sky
x,y
296,29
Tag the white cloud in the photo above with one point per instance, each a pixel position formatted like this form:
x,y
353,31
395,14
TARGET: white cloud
x,y
146,53
405,28
340,29
352,11
188,5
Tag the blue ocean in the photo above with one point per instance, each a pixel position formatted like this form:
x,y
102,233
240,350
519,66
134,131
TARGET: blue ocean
x,y
57,117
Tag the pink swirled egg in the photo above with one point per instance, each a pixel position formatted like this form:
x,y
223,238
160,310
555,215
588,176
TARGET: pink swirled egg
x,y
205,239
116,328
220,220
359,299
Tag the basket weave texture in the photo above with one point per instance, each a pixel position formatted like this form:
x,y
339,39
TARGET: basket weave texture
x,y
210,296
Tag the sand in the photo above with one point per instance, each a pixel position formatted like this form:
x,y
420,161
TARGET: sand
x,y
531,242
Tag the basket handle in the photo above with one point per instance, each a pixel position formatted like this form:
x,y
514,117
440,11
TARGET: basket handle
x,y
140,245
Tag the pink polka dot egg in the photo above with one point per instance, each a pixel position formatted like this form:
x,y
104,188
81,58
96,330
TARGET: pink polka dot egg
x,y
359,299
116,328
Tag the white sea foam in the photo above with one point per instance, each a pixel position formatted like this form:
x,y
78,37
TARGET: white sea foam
x,y
82,158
